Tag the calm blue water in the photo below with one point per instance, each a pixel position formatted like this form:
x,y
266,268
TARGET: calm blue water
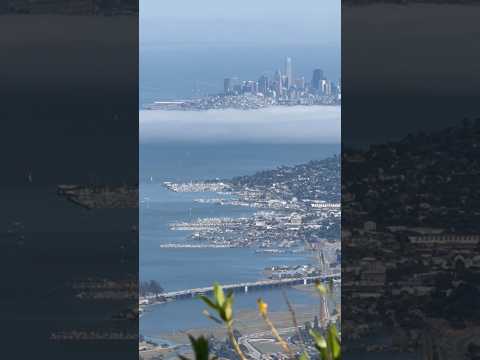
x,y
187,314
188,268
181,161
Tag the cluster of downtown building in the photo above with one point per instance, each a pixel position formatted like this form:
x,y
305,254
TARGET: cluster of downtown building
x,y
285,88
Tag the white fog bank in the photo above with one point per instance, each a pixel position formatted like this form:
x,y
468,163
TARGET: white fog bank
x,y
298,124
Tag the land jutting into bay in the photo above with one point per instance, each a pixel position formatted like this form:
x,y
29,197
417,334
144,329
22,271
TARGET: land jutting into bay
x,y
298,208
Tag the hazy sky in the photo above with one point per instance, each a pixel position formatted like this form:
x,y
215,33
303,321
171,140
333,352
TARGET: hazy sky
x,y
191,44
247,21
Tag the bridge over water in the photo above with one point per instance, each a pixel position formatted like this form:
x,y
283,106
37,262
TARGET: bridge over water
x,y
247,286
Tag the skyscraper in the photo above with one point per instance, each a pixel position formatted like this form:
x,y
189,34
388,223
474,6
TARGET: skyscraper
x,y
250,87
288,72
278,82
285,81
317,79
236,85
227,86
300,83
325,87
263,85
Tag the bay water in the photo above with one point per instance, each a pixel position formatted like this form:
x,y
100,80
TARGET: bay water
x,y
177,269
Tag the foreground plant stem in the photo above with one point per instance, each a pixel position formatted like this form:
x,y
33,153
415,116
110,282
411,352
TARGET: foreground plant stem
x,y
234,342
294,320
277,336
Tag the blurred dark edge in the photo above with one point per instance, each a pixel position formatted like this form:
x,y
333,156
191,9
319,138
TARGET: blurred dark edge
x,y
410,199
69,115
409,2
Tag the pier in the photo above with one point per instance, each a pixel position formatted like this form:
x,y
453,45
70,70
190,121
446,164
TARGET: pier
x,y
249,286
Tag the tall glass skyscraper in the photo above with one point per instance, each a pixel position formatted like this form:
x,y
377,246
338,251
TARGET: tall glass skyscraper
x,y
317,78
288,72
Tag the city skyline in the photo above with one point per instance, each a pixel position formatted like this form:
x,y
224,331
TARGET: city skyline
x,y
186,51
284,88
283,83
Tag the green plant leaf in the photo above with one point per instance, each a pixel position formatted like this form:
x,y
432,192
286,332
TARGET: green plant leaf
x,y
304,356
219,294
209,302
320,344
320,341
200,347
228,308
334,342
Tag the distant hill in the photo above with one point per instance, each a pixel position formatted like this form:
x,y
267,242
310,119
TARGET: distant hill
x,y
315,180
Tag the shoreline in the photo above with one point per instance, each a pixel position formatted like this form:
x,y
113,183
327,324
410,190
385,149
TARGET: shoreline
x,y
143,108
247,321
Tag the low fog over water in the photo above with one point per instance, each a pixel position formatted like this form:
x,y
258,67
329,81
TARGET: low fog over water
x,y
299,124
